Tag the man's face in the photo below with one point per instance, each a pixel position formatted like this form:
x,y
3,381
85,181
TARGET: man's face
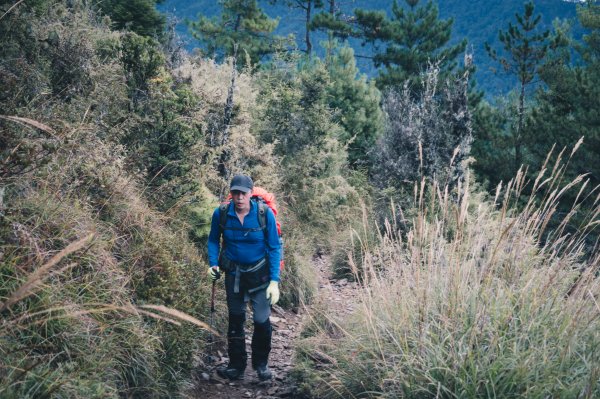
x,y
241,199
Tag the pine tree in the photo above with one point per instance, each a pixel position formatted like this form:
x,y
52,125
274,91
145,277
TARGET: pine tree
x,y
492,146
411,39
139,16
589,16
333,22
242,22
569,108
357,102
525,53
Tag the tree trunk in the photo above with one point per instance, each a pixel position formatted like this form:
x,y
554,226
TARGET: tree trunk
x,y
520,121
329,34
238,22
308,12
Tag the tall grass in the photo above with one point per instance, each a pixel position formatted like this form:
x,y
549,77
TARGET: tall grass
x,y
477,299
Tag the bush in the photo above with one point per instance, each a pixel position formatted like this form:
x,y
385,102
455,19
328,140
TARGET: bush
x,y
425,137
299,277
93,300
294,115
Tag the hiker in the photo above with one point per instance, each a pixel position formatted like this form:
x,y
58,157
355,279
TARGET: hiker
x,y
249,257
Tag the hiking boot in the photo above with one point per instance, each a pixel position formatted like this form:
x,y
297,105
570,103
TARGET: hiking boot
x,y
264,373
230,373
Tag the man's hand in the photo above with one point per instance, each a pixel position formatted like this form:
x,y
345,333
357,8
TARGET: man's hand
x,y
273,292
213,273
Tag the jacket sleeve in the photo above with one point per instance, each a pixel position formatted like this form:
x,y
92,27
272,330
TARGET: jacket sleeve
x,y
273,246
214,239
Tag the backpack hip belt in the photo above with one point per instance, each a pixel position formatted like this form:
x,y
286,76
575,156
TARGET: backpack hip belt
x,y
252,277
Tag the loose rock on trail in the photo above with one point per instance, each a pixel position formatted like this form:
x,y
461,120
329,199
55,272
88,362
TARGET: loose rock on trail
x,y
338,294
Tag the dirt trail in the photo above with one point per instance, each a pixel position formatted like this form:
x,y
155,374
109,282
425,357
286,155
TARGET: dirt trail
x,y
287,325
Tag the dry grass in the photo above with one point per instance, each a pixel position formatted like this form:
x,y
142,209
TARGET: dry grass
x,y
477,299
37,277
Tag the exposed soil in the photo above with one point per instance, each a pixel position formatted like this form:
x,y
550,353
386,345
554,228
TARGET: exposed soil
x,y
287,324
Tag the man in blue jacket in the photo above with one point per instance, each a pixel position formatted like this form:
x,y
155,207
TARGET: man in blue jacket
x,y
249,256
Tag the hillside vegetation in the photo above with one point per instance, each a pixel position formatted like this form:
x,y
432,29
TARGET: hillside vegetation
x,y
472,234
111,145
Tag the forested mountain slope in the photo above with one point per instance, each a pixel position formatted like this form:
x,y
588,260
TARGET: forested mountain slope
x,y
468,230
476,20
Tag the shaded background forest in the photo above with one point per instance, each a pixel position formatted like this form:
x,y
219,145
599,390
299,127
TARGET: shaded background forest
x,y
478,21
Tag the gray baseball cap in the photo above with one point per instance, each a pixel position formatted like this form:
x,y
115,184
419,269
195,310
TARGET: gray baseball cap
x,y
241,183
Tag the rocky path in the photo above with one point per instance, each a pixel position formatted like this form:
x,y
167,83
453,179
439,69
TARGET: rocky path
x,y
287,325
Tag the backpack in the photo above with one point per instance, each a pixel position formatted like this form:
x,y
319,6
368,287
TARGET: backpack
x,y
264,199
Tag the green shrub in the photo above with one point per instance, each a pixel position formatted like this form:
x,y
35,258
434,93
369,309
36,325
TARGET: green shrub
x,y
299,277
294,115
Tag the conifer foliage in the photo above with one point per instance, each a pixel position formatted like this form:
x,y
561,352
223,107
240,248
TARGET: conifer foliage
x,y
357,103
410,40
139,16
568,109
405,44
525,50
242,23
332,21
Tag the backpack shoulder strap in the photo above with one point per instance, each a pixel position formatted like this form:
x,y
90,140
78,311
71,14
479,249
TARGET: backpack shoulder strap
x,y
224,209
262,216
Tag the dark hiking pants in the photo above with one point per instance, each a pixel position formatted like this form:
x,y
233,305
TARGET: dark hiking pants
x,y
261,338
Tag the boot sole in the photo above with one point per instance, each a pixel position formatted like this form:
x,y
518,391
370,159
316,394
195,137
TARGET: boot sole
x,y
264,378
231,378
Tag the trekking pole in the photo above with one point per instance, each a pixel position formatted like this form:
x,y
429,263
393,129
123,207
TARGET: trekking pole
x,y
212,313
212,299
